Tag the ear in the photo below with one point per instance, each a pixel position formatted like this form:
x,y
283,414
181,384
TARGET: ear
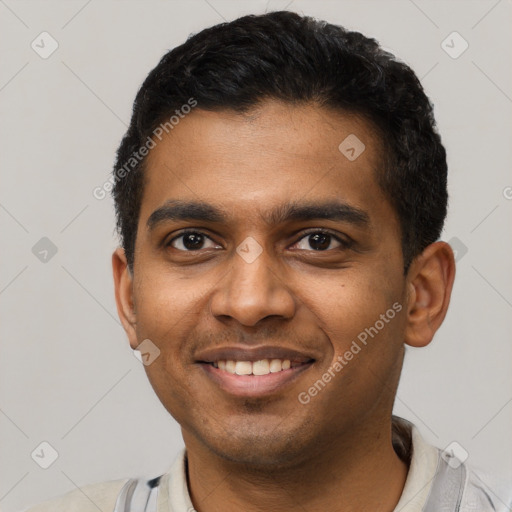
x,y
123,282
430,282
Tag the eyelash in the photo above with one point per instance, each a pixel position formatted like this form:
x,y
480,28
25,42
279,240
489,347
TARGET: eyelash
x,y
345,244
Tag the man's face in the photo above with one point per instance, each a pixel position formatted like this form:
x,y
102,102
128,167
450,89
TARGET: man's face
x,y
255,280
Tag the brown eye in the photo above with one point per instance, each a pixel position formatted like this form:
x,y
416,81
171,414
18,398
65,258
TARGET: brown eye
x,y
320,241
191,241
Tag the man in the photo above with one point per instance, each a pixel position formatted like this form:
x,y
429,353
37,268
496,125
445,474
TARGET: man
x,y
280,194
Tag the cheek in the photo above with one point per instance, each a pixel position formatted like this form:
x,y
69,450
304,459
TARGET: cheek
x,y
165,303
164,316
169,309
362,314
356,304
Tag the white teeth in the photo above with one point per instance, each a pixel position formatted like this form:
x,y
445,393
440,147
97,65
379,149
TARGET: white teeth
x,y
230,366
243,368
275,365
261,367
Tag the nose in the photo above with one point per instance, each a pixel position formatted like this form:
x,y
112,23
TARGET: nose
x,y
252,291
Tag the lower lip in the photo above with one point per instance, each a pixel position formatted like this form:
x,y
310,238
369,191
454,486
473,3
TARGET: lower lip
x,y
253,385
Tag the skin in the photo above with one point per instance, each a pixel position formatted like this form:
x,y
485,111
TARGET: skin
x,y
273,452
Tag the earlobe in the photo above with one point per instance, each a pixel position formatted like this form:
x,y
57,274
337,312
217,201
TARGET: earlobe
x,y
123,282
430,283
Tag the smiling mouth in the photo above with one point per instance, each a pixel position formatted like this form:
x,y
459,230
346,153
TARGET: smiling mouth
x,y
260,378
257,368
255,371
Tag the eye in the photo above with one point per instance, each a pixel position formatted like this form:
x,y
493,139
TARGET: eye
x,y
321,240
191,241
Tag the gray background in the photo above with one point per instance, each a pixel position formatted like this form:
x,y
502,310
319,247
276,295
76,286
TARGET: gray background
x,y
68,375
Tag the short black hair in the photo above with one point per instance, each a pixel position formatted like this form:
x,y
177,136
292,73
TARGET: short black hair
x,y
297,59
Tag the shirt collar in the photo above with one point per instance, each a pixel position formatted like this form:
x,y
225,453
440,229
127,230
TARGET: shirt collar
x,y
410,446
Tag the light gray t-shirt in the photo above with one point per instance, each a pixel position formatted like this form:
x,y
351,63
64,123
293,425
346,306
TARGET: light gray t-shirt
x,y
435,482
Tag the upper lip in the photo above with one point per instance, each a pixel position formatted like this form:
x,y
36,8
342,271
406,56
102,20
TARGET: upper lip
x,y
243,353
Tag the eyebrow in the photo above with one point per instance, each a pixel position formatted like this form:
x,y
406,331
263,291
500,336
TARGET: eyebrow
x,y
176,210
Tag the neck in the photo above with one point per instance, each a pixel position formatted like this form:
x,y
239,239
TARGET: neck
x,y
348,475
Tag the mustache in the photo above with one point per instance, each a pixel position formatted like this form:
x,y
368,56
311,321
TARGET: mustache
x,y
262,336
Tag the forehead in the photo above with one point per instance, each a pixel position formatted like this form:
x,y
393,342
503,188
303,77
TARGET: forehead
x,y
275,153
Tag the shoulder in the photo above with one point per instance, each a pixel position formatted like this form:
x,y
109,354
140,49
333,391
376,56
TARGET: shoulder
x,y
484,491
439,480
459,486
89,498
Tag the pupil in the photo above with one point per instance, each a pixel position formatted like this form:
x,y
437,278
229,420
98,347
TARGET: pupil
x,y
320,240
193,241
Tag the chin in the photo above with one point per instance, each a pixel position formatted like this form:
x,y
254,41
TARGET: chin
x,y
260,447
262,457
